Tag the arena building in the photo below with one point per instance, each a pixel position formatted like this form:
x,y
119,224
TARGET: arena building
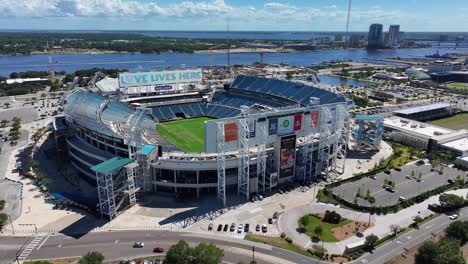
x,y
246,137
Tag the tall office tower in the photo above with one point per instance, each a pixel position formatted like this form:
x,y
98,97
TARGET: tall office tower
x,y
375,37
393,36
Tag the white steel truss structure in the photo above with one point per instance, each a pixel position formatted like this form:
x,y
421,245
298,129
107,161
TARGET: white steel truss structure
x,y
243,158
261,153
307,152
106,197
221,162
132,170
326,128
343,140
136,141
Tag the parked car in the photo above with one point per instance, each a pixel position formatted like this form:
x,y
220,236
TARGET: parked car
x,y
246,228
138,245
264,228
257,228
240,228
453,217
270,221
226,226
158,250
260,197
210,226
233,227
220,227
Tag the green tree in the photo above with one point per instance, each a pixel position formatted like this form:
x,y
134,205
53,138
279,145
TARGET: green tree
x,y
446,251
318,230
368,194
207,254
371,241
182,253
304,221
451,200
371,200
385,180
92,257
458,230
413,173
289,76
178,253
393,184
7,105
359,191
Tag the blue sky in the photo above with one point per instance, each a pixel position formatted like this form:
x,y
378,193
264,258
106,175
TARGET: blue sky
x,y
300,15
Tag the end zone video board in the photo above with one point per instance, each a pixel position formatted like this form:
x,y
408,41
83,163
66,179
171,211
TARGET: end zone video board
x,y
132,79
287,157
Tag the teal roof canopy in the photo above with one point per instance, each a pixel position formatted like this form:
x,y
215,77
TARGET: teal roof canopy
x,y
147,149
111,165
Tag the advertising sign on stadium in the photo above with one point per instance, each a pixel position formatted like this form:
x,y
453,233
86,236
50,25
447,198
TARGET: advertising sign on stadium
x,y
129,79
314,118
287,156
162,87
272,126
252,126
230,132
285,125
297,122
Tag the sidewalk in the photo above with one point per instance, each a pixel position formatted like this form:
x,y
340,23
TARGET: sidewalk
x,y
288,221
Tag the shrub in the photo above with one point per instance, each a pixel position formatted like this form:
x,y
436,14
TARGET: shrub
x,y
332,217
2,204
3,219
289,240
283,235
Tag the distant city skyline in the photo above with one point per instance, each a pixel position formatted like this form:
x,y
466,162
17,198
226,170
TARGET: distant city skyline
x,y
242,15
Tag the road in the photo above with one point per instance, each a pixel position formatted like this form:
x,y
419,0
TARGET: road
x,y
118,245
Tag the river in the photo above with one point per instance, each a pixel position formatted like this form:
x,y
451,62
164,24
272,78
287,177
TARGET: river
x,y
73,62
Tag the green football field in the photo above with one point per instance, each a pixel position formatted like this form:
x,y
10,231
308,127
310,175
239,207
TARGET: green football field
x,y
459,121
186,134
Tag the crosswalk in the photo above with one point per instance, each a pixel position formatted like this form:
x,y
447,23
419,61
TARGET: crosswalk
x,y
29,248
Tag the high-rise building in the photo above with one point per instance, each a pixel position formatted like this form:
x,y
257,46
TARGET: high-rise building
x,y
393,36
375,37
355,41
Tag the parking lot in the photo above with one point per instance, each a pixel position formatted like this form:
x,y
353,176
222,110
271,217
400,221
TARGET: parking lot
x,y
406,186
260,215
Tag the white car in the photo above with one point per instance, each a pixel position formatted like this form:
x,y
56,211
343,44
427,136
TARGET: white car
x,y
240,228
139,245
453,217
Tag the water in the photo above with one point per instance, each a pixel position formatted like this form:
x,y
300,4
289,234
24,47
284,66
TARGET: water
x,y
72,62
338,81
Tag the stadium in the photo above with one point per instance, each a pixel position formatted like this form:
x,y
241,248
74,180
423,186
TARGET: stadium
x,y
245,137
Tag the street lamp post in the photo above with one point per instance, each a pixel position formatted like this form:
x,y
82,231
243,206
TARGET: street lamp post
x,y
11,223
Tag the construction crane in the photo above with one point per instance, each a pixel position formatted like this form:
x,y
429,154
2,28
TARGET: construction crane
x,y
211,53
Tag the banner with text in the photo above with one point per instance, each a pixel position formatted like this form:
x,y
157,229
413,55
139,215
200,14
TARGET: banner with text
x,y
285,125
128,79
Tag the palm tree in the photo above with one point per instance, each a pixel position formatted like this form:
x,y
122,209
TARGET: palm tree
x,y
318,231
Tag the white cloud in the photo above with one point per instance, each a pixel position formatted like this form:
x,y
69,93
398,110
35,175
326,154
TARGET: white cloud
x,y
280,6
200,14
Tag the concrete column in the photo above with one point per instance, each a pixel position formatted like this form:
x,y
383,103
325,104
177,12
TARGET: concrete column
x,y
198,188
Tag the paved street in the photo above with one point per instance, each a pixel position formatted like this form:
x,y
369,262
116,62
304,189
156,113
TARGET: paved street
x,y
118,245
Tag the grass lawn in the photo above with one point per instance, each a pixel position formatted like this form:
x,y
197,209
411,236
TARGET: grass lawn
x,y
463,86
403,158
459,121
186,134
278,242
327,235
